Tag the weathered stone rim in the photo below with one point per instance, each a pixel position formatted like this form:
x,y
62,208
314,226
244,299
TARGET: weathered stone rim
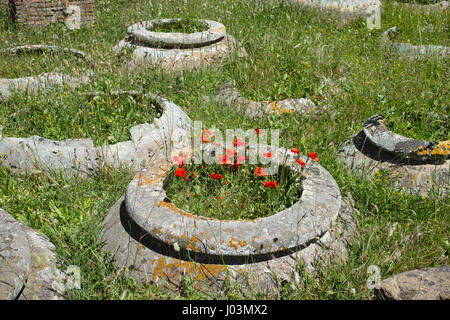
x,y
139,31
307,219
412,50
83,157
35,82
403,148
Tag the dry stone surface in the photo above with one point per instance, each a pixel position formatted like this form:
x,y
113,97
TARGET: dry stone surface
x,y
419,284
46,80
27,263
162,244
178,51
147,142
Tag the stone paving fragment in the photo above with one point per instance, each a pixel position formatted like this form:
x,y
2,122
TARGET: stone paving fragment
x,y
230,96
147,142
419,284
178,51
46,81
162,244
415,165
27,263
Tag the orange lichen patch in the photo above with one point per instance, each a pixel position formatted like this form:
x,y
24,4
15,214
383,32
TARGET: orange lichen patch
x,y
221,29
194,244
149,179
235,243
173,208
174,270
441,148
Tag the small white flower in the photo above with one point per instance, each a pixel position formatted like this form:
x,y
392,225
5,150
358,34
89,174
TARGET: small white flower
x,y
176,247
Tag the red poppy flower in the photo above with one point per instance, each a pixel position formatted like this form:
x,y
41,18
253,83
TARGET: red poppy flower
x,y
181,172
238,142
313,156
204,139
270,184
267,154
216,176
260,172
295,150
218,198
300,162
258,131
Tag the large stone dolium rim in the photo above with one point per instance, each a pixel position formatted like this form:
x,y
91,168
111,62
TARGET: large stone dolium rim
x,y
147,143
140,31
199,49
410,50
45,80
413,164
232,240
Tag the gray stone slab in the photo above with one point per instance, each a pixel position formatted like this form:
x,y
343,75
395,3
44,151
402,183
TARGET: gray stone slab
x,y
419,284
27,263
148,142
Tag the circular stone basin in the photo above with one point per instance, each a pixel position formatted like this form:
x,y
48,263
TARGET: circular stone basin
x,y
45,80
175,51
416,163
236,240
143,33
147,142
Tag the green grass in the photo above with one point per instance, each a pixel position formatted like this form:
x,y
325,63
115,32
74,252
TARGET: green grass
x,y
419,27
181,26
239,194
292,54
106,119
25,65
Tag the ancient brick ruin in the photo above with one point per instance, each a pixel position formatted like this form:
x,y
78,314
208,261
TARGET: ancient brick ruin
x,y
44,12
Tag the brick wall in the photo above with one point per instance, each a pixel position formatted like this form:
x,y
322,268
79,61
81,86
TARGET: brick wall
x,y
43,12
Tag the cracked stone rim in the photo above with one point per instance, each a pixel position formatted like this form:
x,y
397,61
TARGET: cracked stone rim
x,y
402,147
285,231
139,31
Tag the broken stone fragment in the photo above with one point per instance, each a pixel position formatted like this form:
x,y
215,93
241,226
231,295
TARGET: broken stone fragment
x,y
419,284
27,263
